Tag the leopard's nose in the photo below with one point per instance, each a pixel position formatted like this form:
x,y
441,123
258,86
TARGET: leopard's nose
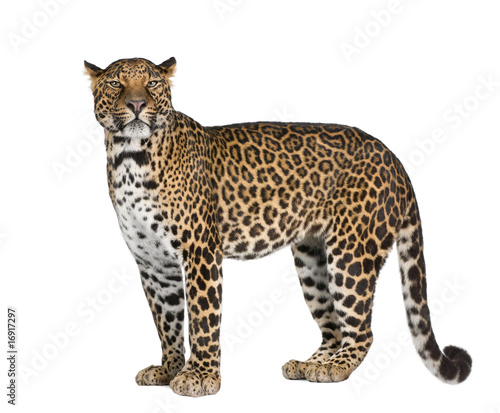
x,y
136,106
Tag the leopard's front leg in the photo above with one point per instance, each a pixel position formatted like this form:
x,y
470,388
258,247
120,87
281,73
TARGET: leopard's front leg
x,y
203,268
164,290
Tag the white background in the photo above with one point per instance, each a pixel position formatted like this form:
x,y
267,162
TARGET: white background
x,y
85,328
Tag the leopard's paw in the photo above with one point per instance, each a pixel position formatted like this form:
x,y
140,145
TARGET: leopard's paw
x,y
326,373
295,370
154,376
195,383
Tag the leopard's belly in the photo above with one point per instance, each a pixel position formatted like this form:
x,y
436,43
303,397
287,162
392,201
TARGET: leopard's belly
x,y
251,236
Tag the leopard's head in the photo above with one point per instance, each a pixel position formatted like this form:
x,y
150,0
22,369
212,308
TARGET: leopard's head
x,y
132,96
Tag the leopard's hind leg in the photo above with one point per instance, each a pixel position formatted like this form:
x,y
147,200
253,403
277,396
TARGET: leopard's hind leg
x,y
355,255
338,276
311,265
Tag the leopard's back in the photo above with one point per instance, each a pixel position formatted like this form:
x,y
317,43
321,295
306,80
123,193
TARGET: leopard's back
x,y
278,182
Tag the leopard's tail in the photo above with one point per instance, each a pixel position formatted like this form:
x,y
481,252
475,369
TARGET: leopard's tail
x,y
453,364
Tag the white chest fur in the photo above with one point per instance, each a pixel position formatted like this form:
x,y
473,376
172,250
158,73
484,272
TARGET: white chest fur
x,y
138,210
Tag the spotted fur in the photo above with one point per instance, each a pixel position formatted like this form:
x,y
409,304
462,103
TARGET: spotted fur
x,y
187,195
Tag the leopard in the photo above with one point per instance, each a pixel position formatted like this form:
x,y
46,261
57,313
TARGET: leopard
x,y
186,196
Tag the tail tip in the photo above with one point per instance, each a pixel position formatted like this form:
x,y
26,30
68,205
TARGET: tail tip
x,y
461,364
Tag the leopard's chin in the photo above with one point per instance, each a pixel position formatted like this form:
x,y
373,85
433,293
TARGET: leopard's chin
x,y
136,129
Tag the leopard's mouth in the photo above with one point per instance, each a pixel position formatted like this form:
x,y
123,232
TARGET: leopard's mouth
x,y
136,128
136,123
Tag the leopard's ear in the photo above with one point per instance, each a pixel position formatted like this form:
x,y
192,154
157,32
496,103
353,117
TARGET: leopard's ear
x,y
92,70
168,66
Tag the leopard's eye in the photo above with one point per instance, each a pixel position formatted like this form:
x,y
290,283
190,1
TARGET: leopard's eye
x,y
153,83
115,84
